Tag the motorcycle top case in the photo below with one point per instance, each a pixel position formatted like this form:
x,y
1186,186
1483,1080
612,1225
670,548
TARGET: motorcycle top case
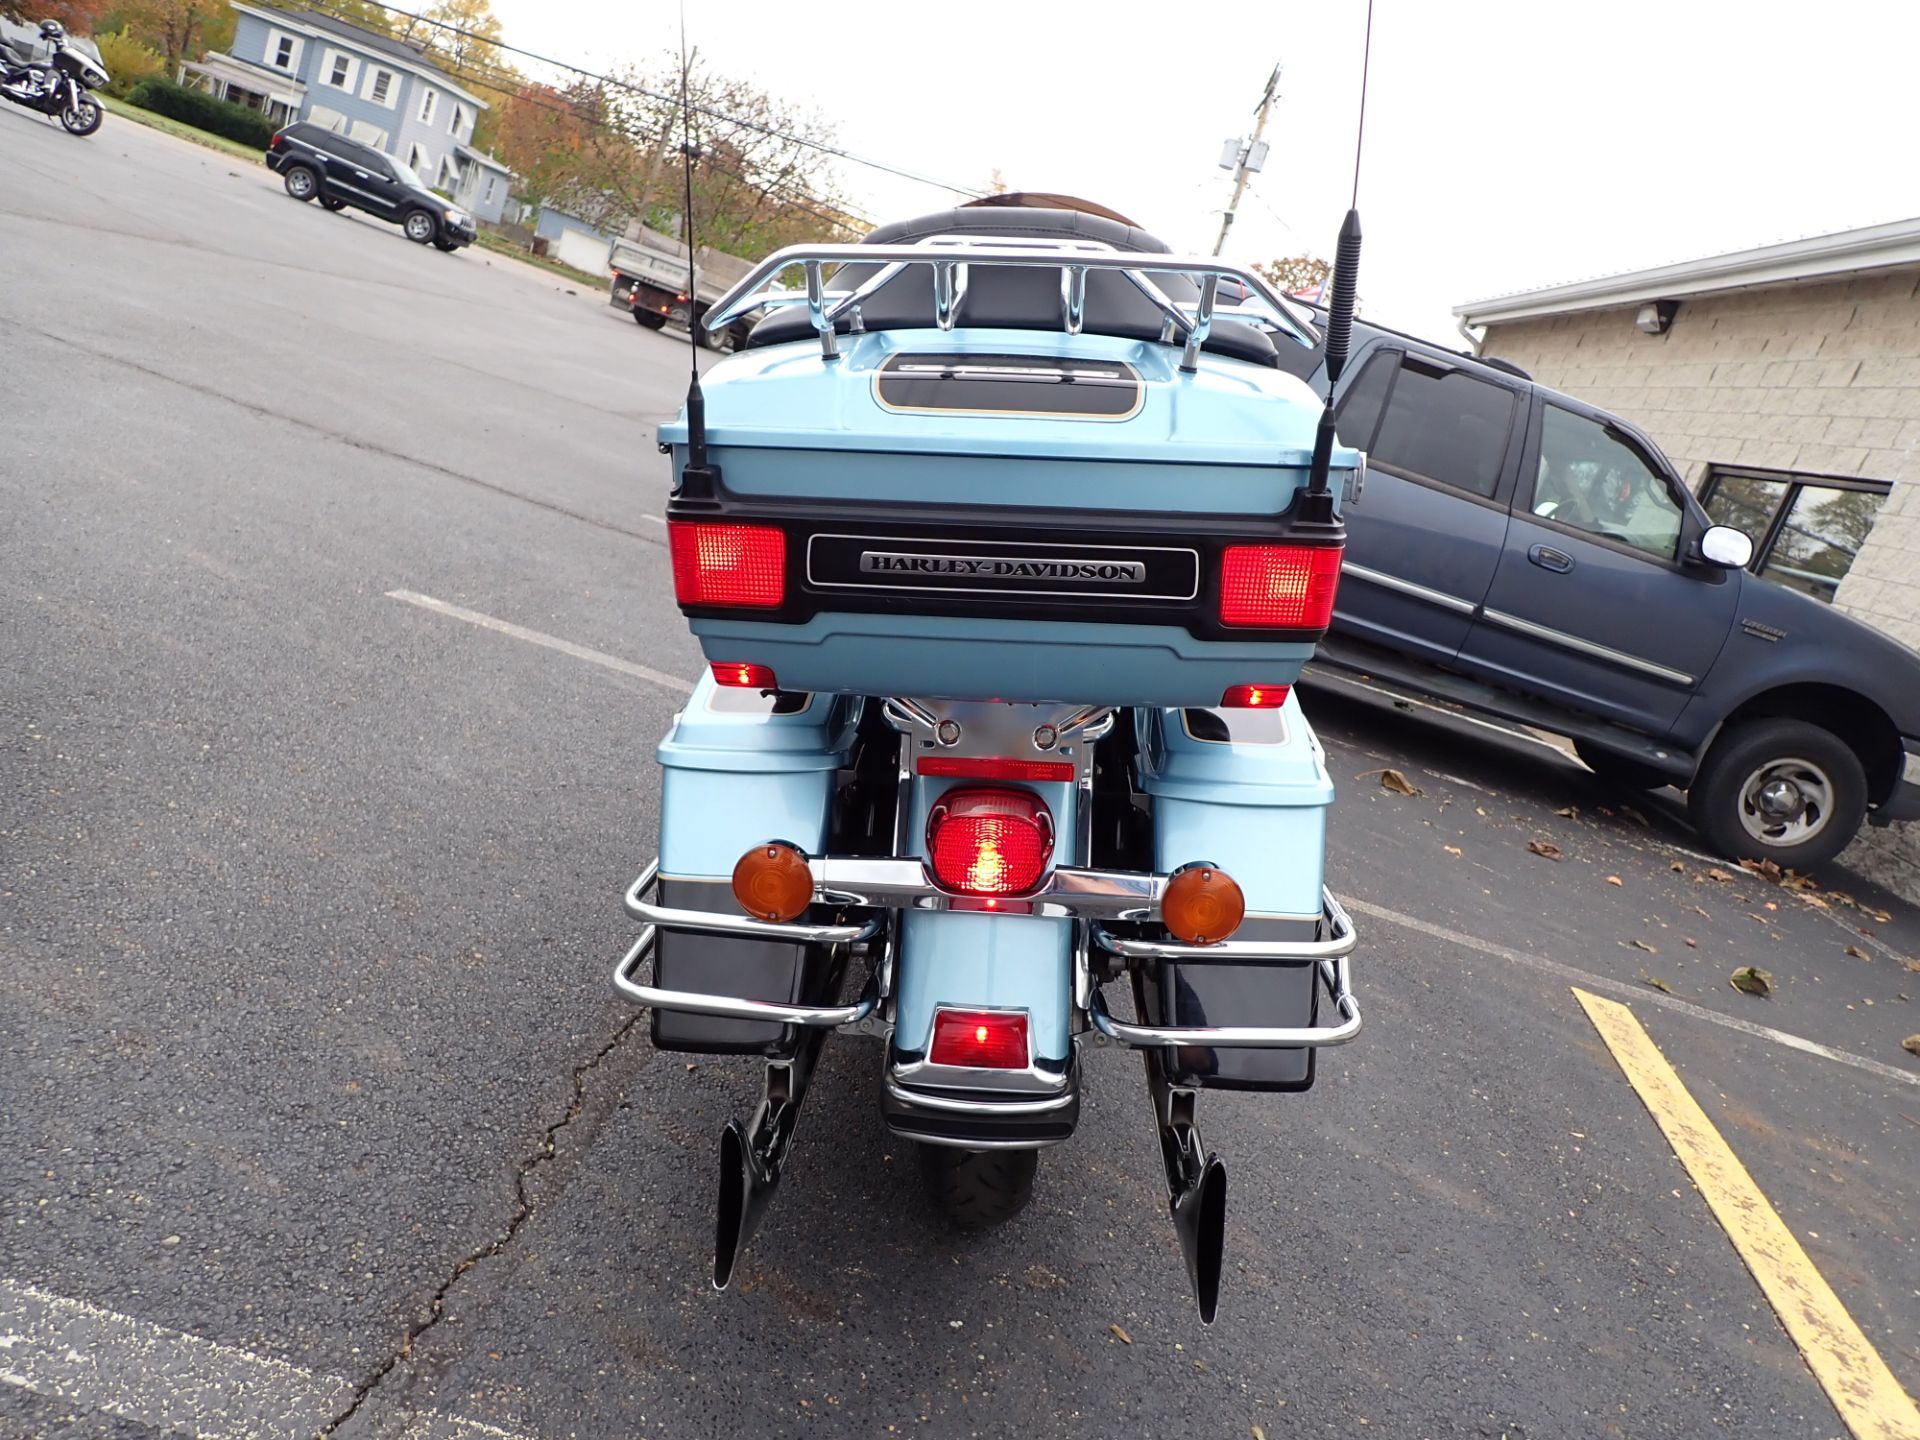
x,y
1014,515
739,768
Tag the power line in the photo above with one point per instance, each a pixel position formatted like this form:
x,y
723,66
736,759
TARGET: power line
x,y
702,110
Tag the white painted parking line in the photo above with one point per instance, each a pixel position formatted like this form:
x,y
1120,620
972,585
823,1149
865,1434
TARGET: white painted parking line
x,y
99,1360
1639,994
552,642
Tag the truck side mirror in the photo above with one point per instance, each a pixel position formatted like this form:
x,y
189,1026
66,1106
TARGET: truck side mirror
x,y
1727,547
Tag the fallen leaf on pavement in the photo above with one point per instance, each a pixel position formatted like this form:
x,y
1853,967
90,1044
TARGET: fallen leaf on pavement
x,y
1391,779
1692,944
1124,1337
1857,953
1765,869
1480,810
1635,816
1701,913
1751,981
1677,868
1770,905
1568,812
1546,848
1643,945
1451,849
1911,1044
1714,872
1796,881
1615,880
1259,1434
1657,983
1880,915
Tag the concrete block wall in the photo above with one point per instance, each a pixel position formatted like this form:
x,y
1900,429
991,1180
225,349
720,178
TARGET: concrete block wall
x,y
1819,376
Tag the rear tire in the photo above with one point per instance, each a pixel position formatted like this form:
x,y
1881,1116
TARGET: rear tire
x,y
1618,770
302,184
977,1189
327,202
1779,790
652,319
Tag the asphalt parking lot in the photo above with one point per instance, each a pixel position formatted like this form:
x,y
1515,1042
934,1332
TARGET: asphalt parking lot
x,y
318,1114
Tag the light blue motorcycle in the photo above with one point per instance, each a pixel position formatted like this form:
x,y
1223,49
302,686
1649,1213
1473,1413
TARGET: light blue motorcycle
x,y
1006,540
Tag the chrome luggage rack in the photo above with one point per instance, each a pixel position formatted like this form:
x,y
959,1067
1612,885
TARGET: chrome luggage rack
x,y
1088,895
949,258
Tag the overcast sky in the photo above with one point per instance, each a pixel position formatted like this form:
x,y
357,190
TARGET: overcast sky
x,y
1510,143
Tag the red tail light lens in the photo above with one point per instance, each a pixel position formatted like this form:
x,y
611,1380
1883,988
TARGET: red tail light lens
x,y
741,676
728,564
1244,697
989,842
1279,586
957,767
981,1039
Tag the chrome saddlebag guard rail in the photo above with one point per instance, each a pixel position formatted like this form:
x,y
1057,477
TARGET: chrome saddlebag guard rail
x,y
658,918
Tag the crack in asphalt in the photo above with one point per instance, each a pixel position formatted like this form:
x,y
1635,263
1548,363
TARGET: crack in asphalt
x,y
352,442
542,1155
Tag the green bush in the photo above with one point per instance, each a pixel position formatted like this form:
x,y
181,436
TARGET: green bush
x,y
127,61
202,111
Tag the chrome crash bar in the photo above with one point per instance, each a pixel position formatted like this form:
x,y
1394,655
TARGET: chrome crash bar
x,y
734,1007
1333,975
950,258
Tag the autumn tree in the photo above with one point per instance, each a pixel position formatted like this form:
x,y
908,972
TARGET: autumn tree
x,y
178,29
1295,273
79,16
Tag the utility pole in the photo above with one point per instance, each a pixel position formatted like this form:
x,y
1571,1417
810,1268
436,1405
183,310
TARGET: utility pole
x,y
1249,159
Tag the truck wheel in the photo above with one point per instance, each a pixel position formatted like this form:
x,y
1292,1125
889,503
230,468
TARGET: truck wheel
x,y
652,319
978,1189
723,342
301,183
1779,790
1618,770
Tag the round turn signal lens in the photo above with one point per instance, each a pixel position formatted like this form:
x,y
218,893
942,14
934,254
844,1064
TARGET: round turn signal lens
x,y
1202,905
773,882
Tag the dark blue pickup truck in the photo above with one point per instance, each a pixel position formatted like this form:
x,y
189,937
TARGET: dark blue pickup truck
x,y
1519,553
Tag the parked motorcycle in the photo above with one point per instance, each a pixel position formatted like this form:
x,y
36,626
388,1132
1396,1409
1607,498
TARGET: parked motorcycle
x,y
60,85
1005,550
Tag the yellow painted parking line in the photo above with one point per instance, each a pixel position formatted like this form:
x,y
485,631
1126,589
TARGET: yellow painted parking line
x,y
1845,1363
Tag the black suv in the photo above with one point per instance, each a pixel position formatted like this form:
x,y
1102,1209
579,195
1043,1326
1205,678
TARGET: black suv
x,y
316,164
1523,554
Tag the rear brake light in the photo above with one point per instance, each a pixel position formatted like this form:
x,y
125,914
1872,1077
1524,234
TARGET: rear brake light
x,y
955,767
1286,587
1251,697
980,1039
728,564
741,676
989,842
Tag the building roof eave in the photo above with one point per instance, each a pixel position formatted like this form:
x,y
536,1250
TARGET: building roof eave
x,y
1872,247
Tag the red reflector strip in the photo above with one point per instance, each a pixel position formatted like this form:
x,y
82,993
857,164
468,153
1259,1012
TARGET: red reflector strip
x,y
728,564
742,676
955,767
980,1039
1255,697
1279,586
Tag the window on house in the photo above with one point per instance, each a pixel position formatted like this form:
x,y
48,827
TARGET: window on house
x,y
382,84
492,181
1806,529
340,73
283,52
1592,478
1428,420
459,119
426,106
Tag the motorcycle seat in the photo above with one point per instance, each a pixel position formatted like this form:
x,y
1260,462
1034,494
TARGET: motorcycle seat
x,y
1019,299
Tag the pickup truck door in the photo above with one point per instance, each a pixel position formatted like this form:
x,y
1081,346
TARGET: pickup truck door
x,y
1596,604
1425,537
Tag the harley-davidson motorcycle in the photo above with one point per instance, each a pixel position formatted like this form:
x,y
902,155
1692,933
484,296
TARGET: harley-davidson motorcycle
x,y
59,85
1006,542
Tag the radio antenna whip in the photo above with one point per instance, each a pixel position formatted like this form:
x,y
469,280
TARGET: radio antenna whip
x,y
697,477
1346,279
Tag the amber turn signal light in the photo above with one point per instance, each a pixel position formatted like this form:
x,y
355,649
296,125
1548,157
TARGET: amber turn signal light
x,y
773,882
1202,904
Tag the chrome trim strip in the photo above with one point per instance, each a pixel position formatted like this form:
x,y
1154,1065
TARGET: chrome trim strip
x,y
1333,974
1587,647
962,1105
1407,587
1067,891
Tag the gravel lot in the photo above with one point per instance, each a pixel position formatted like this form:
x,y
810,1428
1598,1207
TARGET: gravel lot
x,y
309,899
